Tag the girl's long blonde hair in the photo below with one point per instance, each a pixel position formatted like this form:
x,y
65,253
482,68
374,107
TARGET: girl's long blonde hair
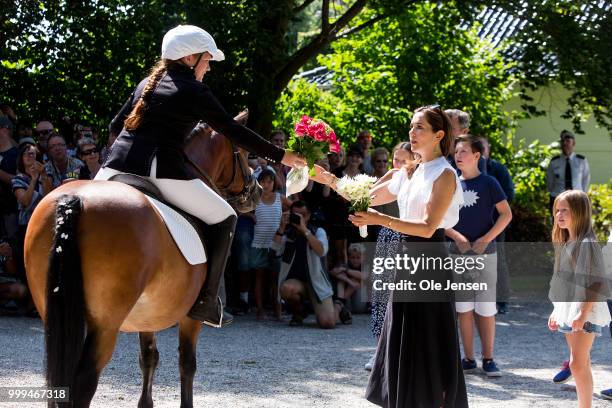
x,y
580,210
581,225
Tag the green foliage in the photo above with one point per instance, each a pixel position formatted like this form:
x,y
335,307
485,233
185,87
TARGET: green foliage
x,y
82,62
530,214
567,42
601,200
301,98
528,165
383,73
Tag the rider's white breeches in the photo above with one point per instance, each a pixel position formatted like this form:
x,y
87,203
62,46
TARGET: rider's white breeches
x,y
192,196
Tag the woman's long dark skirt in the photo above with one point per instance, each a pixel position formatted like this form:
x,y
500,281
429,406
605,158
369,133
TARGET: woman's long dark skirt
x,y
418,361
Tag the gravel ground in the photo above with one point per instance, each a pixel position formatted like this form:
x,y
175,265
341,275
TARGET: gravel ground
x,y
268,364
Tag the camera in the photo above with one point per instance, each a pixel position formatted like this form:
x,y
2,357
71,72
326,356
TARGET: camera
x,y
294,219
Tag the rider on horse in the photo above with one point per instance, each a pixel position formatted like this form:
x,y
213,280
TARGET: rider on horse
x,y
153,125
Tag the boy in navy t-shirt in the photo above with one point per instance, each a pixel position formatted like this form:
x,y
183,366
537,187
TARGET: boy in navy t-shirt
x,y
474,237
477,215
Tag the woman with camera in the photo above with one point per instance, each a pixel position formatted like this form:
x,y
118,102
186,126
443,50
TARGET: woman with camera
x,y
30,185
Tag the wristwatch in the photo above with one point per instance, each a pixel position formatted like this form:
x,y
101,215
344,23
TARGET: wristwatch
x,y
307,234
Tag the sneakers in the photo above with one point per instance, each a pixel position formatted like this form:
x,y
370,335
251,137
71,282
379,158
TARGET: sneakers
x,y
468,366
490,368
563,375
368,366
606,394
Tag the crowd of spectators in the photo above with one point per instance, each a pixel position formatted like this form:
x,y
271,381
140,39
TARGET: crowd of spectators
x,y
35,158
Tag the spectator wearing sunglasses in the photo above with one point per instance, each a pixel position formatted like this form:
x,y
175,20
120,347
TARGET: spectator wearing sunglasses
x,y
43,131
61,167
380,161
88,154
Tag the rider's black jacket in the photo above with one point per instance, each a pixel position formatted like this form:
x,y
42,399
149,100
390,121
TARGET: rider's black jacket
x,y
174,108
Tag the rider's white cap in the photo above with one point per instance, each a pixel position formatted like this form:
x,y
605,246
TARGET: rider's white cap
x,y
185,40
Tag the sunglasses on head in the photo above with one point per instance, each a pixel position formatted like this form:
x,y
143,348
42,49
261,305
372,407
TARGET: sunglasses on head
x,y
88,152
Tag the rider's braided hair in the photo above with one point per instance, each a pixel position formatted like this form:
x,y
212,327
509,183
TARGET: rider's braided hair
x,y
134,120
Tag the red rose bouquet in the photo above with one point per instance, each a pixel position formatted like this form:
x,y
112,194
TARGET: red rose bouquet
x,y
313,139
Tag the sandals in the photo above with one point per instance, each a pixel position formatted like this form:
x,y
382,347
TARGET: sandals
x,y
345,315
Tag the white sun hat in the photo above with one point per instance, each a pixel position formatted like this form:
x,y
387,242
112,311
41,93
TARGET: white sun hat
x,y
185,40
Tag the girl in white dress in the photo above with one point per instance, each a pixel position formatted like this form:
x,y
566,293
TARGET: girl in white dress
x,y
579,286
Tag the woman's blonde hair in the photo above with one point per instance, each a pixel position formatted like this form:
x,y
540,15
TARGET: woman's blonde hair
x,y
581,225
134,119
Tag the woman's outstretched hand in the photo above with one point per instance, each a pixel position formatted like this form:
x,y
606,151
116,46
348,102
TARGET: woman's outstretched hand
x,y
370,217
292,159
323,176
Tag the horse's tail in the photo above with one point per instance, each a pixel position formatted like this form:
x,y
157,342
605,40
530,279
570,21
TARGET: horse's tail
x,y
65,309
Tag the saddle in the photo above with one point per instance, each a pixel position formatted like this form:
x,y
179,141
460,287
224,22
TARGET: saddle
x,y
186,230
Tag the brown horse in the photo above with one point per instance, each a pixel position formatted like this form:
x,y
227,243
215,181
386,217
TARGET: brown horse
x,y
100,260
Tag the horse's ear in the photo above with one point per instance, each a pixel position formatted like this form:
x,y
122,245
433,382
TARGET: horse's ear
x,y
242,117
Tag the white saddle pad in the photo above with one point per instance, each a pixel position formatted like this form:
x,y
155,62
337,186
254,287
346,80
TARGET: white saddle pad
x,y
185,236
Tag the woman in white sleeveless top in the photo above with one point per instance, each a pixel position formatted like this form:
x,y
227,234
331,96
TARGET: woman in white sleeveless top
x,y
417,362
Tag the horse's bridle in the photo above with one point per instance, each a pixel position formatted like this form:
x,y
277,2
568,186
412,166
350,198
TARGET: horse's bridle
x,y
250,182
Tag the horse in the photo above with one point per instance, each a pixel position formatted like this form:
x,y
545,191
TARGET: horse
x,y
100,260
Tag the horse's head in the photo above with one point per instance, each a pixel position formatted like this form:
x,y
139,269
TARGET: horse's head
x,y
215,159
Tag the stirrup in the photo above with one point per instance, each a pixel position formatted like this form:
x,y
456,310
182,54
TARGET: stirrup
x,y
202,312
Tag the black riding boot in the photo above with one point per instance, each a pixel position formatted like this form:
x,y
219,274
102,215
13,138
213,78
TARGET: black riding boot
x,y
208,308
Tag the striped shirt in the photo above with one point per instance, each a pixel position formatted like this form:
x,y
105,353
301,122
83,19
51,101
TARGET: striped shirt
x,y
23,181
268,218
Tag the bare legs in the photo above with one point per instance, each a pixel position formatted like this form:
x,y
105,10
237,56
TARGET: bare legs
x,y
580,363
260,279
486,328
294,292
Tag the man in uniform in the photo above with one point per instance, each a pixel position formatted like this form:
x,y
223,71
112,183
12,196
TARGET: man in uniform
x,y
568,171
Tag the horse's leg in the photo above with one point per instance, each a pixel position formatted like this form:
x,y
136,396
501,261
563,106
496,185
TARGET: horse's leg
x,y
188,339
97,351
149,358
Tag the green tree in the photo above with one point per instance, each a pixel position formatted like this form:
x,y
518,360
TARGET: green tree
x,y
83,59
564,41
382,74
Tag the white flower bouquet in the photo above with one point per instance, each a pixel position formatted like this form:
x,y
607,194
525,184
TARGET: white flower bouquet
x,y
357,191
